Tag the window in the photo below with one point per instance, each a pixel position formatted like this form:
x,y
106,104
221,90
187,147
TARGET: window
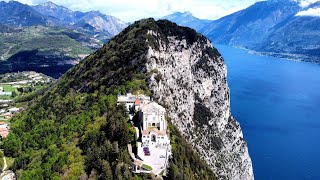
x,y
144,136
153,124
154,118
149,124
162,137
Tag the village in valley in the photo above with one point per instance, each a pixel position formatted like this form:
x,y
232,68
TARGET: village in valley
x,y
153,147
16,89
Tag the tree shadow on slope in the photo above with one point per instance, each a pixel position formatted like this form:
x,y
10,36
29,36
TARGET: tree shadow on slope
x,y
34,60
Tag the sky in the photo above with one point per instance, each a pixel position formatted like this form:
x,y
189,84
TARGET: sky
x,y
131,10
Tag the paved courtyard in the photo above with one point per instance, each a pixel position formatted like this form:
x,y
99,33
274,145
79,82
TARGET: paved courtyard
x,y
154,160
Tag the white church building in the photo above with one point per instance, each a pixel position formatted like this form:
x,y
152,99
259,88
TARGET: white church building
x,y
154,125
151,115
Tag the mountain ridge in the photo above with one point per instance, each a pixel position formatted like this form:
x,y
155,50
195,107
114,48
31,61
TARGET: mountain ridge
x,y
268,27
18,14
30,39
94,129
97,20
187,19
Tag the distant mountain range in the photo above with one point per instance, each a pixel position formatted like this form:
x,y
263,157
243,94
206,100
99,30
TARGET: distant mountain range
x,y
35,37
18,14
92,21
49,38
187,19
274,27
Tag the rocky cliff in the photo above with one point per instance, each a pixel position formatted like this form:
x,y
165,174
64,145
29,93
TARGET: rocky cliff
x,y
75,130
189,79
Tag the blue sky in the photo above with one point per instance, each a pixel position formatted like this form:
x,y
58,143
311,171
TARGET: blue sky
x,y
130,10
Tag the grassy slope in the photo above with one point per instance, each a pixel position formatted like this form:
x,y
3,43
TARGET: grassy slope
x,y
8,87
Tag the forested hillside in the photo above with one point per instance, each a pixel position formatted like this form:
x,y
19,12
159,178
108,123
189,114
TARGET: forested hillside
x,y
75,130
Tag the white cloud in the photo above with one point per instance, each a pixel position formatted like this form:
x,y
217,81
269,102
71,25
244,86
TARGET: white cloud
x,y
305,3
130,10
309,12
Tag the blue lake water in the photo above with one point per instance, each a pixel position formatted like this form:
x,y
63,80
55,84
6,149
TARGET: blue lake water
x,y
277,103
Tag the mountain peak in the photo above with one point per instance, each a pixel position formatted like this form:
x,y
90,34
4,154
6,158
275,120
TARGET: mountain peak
x,y
18,14
185,13
187,19
50,4
181,14
188,13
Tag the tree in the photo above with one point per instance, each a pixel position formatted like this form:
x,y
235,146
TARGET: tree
x,y
14,94
106,171
12,145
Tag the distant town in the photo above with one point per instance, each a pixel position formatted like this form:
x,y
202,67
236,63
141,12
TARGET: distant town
x,y
15,88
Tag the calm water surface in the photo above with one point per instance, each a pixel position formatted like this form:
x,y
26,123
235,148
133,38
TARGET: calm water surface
x,y
277,103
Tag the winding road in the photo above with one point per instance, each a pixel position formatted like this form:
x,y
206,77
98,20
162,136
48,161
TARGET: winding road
x,y
4,167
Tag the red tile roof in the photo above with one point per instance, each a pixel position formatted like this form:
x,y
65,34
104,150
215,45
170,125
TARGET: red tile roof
x,y
4,134
137,102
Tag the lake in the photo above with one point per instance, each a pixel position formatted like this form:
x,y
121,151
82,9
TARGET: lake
x,y
277,104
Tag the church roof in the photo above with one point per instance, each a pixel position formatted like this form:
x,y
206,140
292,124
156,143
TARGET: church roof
x,y
137,102
131,98
127,98
152,107
153,131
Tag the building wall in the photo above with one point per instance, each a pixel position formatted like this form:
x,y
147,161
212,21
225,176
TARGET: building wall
x,y
157,119
147,139
5,93
127,104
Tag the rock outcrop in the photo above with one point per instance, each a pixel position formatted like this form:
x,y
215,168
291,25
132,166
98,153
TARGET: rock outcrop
x,y
188,76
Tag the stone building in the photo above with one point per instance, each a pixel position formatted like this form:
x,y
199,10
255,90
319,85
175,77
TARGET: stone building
x,y
154,124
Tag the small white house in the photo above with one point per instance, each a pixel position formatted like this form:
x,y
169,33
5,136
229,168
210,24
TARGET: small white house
x,y
132,102
128,100
6,93
3,125
14,110
1,89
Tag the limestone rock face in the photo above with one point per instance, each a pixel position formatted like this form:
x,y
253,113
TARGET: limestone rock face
x,y
188,77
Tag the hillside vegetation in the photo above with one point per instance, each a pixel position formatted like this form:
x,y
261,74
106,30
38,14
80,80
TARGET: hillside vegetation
x,y
58,41
49,50
75,130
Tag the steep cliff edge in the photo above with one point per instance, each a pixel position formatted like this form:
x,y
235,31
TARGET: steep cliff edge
x,y
189,79
75,130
